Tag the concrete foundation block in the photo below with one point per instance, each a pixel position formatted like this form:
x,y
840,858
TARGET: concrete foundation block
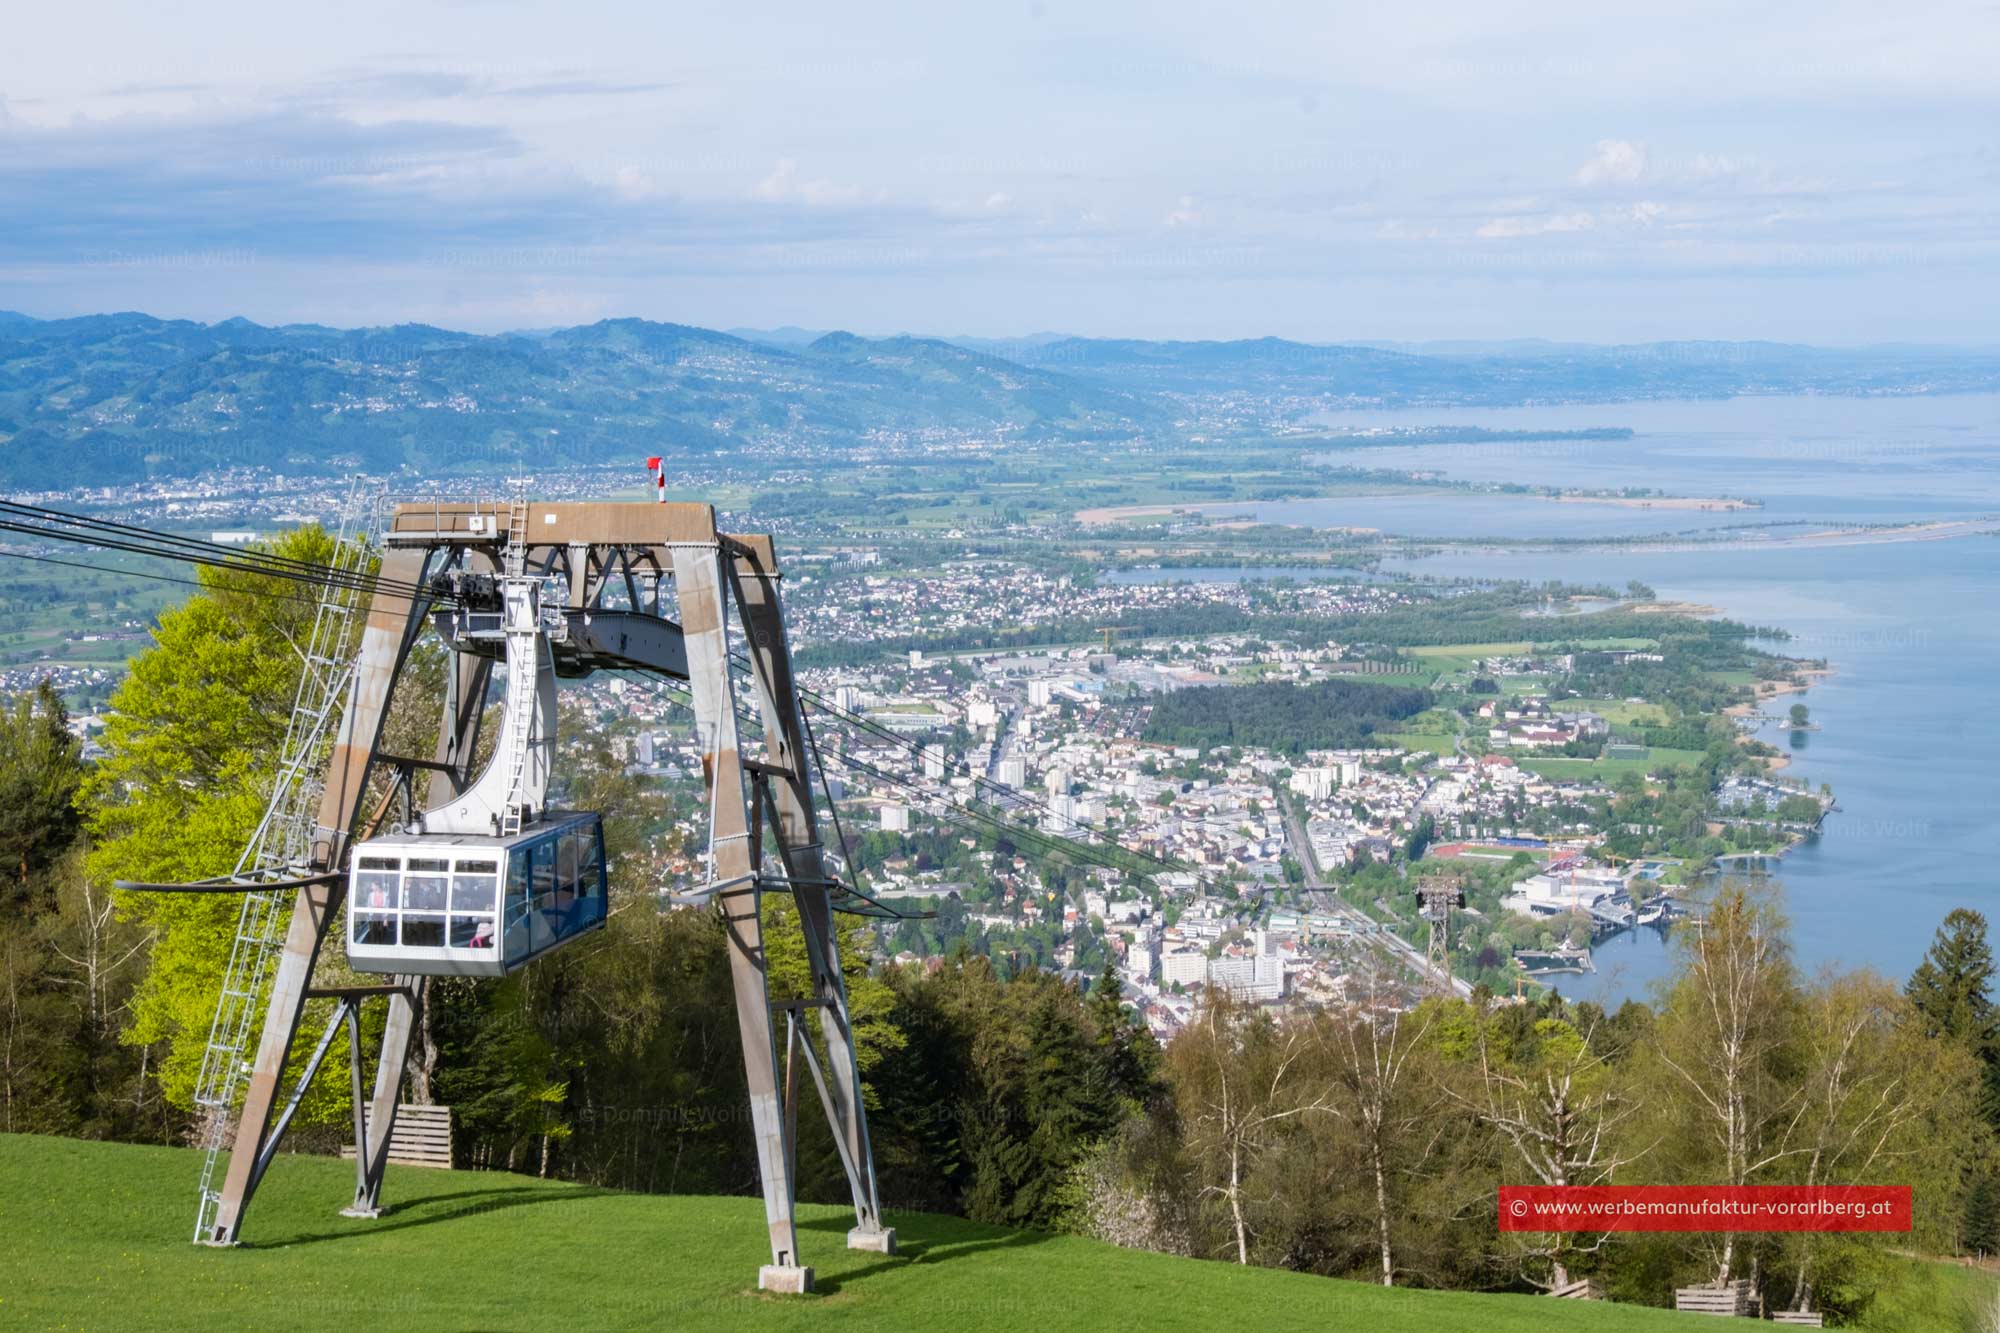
x,y
785,1279
881,1240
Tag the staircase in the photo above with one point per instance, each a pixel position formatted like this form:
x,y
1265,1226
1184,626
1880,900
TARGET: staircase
x,y
523,665
282,843
523,662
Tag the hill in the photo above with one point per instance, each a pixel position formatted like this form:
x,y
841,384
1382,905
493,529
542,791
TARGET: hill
x,y
105,399
1500,374
94,400
99,1239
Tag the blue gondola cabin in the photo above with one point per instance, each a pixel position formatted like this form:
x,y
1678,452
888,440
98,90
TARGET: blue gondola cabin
x,y
450,904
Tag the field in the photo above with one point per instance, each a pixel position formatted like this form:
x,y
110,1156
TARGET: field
x,y
1489,852
1610,770
1420,740
1622,712
47,609
100,1241
1462,656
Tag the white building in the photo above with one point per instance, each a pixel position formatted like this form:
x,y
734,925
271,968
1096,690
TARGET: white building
x,y
896,818
1315,784
1574,890
1260,979
1189,967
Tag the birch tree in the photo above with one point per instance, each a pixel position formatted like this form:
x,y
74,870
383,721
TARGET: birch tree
x,y
1725,1039
1870,1078
1558,1106
1240,1078
1377,1053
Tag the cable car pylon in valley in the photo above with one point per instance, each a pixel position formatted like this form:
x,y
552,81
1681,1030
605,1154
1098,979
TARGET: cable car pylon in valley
x,y
485,878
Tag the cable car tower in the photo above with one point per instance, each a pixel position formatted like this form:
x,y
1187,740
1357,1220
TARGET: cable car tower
x,y
1437,895
484,878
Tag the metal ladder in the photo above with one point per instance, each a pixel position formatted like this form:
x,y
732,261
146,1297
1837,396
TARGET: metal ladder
x,y
282,842
516,554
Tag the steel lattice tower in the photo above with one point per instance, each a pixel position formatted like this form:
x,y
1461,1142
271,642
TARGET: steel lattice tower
x,y
1437,896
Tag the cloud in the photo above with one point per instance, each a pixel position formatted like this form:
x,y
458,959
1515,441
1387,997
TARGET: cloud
x,y
783,186
1616,161
636,183
1535,225
294,183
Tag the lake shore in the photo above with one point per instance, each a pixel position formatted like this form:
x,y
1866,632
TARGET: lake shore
x,y
1103,514
1765,690
1694,502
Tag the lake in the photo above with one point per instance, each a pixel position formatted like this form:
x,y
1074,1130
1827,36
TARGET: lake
x,y
1908,724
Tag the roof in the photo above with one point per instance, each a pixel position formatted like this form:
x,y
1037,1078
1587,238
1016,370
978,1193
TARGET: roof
x,y
550,822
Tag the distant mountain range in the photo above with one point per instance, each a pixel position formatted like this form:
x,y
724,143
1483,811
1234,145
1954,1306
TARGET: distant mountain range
x,y
103,397
1490,374
93,399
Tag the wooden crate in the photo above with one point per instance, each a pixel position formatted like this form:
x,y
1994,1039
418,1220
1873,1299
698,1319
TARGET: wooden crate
x,y
1582,1289
421,1136
1730,1299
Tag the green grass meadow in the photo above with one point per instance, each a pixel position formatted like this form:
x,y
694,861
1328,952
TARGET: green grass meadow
x,y
98,1238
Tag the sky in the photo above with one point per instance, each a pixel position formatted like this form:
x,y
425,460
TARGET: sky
x,y
1825,172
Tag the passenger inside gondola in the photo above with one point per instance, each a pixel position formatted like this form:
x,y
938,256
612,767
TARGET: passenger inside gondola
x,y
472,906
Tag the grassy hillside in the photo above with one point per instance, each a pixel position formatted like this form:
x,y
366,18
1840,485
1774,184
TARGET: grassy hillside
x,y
98,1239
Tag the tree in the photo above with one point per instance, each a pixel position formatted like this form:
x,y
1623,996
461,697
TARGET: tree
x,y
97,960
1001,1091
40,770
1866,1082
1952,988
1130,1055
1724,1040
1800,713
1553,1097
1239,1079
191,749
1951,995
32,1045
1981,1231
1383,1096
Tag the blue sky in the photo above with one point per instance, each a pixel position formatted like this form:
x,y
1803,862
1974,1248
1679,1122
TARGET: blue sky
x,y
1825,172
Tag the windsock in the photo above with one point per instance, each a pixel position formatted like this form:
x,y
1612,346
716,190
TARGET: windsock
x,y
658,470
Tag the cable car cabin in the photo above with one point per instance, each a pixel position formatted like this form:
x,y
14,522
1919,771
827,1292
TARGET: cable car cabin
x,y
461,905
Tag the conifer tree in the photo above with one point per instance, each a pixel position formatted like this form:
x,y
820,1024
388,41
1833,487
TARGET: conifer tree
x,y
1952,987
1951,991
40,770
1980,1233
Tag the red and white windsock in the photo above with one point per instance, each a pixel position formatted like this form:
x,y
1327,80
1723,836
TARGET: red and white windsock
x,y
659,474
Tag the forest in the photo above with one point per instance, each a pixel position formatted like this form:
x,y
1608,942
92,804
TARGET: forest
x,y
1281,716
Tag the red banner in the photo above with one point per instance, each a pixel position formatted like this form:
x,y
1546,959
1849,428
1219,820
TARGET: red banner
x,y
1705,1207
